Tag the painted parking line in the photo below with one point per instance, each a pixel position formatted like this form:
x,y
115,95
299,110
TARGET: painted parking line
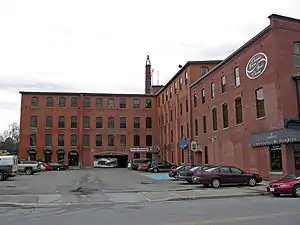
x,y
159,176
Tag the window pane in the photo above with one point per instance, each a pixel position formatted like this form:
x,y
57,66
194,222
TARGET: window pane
x,y
61,140
136,140
238,111
260,103
212,89
111,122
49,121
33,121
98,140
149,140
86,122
99,103
74,102
73,140
225,115
48,140
34,102
86,140
111,103
215,119
148,103
275,158
74,122
62,102
136,103
61,122
122,140
136,123
148,122
111,141
237,77
123,122
49,102
99,122
87,103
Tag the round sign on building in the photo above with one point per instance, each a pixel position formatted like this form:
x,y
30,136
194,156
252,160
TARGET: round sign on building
x,y
256,65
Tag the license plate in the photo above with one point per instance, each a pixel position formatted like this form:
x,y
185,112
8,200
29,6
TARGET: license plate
x,y
272,190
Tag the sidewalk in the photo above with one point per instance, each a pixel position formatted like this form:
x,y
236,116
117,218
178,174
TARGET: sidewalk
x,y
123,198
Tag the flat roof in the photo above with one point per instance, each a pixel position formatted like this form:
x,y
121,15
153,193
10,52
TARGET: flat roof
x,y
84,94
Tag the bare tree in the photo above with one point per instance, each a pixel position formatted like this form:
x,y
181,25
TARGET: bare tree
x,y
10,138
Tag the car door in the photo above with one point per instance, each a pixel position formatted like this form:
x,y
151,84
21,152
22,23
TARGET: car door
x,y
225,174
237,176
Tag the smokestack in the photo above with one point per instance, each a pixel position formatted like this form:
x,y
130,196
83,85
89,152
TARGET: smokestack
x,y
148,76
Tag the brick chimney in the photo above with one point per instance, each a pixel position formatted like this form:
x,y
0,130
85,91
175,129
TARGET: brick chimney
x,y
148,76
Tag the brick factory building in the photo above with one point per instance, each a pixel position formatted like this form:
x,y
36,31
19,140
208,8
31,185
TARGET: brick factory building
x,y
241,111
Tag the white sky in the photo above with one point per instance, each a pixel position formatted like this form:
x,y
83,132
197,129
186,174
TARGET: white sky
x,y
101,46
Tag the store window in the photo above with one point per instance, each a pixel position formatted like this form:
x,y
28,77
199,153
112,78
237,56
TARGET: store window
x,y
275,158
297,156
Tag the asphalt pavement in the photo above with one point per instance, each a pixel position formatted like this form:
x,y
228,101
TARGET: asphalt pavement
x,y
235,211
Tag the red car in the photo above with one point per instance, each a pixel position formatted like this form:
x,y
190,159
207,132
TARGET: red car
x,y
220,175
290,184
48,166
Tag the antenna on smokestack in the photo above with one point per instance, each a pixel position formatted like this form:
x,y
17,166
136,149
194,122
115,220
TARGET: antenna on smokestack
x,y
157,77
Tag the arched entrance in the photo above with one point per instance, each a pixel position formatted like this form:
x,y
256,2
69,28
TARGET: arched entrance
x,y
149,155
48,155
32,155
73,158
60,155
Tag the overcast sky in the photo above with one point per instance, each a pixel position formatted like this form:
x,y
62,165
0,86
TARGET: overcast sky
x,y
101,46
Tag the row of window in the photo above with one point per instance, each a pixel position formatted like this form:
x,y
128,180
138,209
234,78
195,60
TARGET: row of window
x,y
87,122
169,92
86,140
87,102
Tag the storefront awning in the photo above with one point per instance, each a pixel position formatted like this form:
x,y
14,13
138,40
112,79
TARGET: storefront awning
x,y
283,136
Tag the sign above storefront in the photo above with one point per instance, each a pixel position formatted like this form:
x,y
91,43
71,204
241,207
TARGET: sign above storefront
x,y
256,65
154,149
139,149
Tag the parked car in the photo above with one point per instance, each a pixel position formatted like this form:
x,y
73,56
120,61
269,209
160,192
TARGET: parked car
x,y
144,166
136,162
42,168
28,167
48,167
161,166
217,176
173,172
5,172
289,184
58,166
188,175
129,164
10,160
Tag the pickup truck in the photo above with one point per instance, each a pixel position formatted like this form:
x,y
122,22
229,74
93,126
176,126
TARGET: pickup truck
x,y
28,167
5,172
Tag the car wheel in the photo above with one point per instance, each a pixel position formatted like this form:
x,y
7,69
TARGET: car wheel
x,y
276,194
1,176
215,183
251,181
296,191
155,170
28,171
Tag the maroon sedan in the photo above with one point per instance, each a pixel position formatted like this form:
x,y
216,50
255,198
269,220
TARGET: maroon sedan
x,y
220,175
290,184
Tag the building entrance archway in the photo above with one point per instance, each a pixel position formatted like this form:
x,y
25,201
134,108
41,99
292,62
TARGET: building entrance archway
x,y
32,155
73,158
60,156
48,155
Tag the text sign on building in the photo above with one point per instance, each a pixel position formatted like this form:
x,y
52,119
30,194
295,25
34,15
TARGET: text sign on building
x,y
139,149
256,65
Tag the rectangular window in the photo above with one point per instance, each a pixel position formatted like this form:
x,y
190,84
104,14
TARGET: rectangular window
x,y
203,95
215,119
186,105
167,95
297,54
136,103
99,122
99,103
122,140
238,111
237,81
148,104
49,122
61,140
122,122
136,122
34,102
32,140
163,98
204,125
171,92
149,140
86,122
86,140
136,140
148,122
275,158
171,115
172,137
73,122
111,122
181,131
196,127
74,140
62,102
260,103
111,103
61,122
175,87
111,140
48,140
195,100
186,77
225,115
122,103
223,84
181,109
49,102
297,156
205,155
203,70
212,90
180,83
87,103
74,102
98,140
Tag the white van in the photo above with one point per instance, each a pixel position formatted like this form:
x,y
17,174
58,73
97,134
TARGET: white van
x,y
10,160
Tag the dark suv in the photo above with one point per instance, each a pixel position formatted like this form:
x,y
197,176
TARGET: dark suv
x,y
136,162
161,166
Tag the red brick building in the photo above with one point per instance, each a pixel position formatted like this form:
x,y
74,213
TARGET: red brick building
x,y
242,111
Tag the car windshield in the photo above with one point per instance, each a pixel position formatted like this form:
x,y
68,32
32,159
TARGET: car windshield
x,y
213,169
194,168
291,176
179,167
